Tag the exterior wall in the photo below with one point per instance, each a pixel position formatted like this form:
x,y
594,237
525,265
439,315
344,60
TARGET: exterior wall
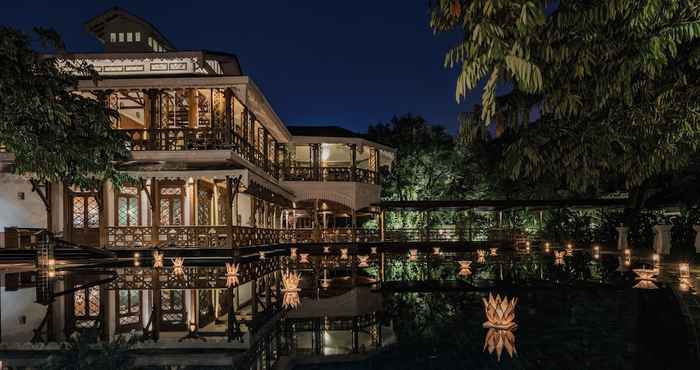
x,y
20,314
352,194
27,212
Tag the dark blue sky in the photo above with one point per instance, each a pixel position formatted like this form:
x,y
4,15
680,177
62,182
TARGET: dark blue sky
x,y
319,62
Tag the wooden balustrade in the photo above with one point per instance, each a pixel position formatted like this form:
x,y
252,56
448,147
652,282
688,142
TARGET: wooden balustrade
x,y
202,138
332,174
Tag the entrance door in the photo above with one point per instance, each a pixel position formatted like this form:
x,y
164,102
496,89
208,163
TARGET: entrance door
x,y
85,225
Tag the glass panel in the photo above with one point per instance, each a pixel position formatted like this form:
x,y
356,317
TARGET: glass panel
x,y
302,156
204,107
164,212
123,211
204,207
218,107
177,211
178,299
133,211
135,301
123,302
94,306
79,303
93,213
336,155
78,212
166,302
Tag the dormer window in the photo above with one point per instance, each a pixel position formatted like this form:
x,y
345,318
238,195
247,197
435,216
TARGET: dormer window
x,y
137,36
121,36
113,37
129,37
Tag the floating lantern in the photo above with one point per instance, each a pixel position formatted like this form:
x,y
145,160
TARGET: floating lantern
x,y
481,256
178,266
684,277
304,258
231,274
559,257
363,261
293,253
500,312
343,253
158,260
569,250
261,254
494,252
436,251
464,268
373,250
628,252
137,263
290,281
655,259
646,279
326,249
413,255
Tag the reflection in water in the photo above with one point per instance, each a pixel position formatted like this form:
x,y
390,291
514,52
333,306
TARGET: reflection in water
x,y
304,258
494,252
325,282
684,277
373,250
157,260
231,274
343,253
293,253
546,247
559,257
262,255
179,266
498,339
465,268
363,261
569,250
290,280
436,250
646,279
413,255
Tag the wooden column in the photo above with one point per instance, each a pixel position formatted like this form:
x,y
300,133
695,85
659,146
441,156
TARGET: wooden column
x,y
155,211
156,311
153,116
253,301
228,114
192,111
353,168
381,225
103,202
228,216
67,214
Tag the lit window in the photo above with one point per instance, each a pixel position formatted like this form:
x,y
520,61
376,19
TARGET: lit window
x,y
112,37
150,41
137,36
121,36
129,37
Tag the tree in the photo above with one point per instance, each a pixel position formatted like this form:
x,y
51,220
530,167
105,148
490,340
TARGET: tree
x,y
54,133
430,165
600,95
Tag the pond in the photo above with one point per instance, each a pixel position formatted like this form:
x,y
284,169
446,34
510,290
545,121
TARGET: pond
x,y
399,309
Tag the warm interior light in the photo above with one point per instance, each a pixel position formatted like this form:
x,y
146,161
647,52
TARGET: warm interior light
x,y
304,258
178,266
363,261
343,253
157,260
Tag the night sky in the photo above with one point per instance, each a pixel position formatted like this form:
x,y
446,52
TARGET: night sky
x,y
320,62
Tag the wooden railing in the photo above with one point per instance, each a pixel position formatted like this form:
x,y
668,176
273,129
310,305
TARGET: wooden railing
x,y
187,138
216,236
332,174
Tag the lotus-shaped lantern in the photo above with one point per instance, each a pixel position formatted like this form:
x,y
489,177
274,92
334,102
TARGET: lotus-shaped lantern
x,y
373,250
290,281
413,254
157,260
500,312
646,278
231,274
261,254
481,256
178,266
494,252
465,268
363,261
569,250
436,251
303,258
559,257
498,339
343,253
326,249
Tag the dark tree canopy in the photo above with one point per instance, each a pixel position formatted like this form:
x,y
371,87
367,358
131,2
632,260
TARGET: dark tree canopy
x,y
54,134
601,95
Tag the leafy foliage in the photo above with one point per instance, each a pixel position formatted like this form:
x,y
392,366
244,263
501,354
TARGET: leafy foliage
x,y
602,95
54,134
84,352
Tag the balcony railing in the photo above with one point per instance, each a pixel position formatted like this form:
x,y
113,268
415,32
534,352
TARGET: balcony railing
x,y
187,138
332,174
213,236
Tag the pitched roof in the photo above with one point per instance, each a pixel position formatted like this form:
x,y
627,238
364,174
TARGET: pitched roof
x,y
323,131
96,24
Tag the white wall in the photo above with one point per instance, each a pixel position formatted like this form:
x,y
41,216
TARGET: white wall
x,y
15,305
27,212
